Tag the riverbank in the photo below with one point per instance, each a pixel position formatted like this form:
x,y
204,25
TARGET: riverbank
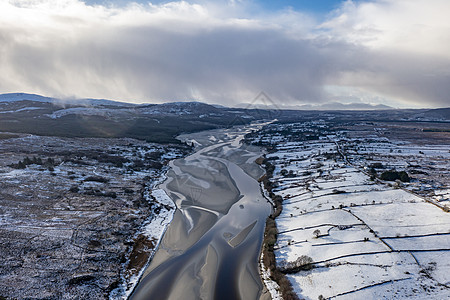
x,y
276,282
146,241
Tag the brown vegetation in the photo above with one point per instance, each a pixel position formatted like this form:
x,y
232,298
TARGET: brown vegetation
x,y
270,237
139,254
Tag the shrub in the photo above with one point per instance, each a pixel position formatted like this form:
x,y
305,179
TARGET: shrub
x,y
302,263
372,171
393,175
96,179
110,194
74,189
269,261
376,166
94,243
389,175
128,191
404,177
316,233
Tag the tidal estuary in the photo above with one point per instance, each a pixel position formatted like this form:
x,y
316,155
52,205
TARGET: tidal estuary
x,y
211,248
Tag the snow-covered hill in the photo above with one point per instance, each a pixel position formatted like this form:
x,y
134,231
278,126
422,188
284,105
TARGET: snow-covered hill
x,y
29,113
20,102
14,97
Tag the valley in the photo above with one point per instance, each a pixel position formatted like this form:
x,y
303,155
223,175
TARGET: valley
x,y
109,200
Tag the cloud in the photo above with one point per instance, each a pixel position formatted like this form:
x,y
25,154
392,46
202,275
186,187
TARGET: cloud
x,y
402,48
225,53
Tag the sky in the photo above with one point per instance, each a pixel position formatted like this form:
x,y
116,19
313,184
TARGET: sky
x,y
389,52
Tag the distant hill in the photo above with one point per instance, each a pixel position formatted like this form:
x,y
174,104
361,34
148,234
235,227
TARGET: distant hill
x,y
17,97
180,108
349,106
323,106
29,113
35,114
435,114
14,97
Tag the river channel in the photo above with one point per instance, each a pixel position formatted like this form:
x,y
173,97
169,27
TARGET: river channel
x,y
211,248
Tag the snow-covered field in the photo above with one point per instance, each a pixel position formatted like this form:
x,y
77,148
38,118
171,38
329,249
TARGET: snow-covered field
x,y
368,239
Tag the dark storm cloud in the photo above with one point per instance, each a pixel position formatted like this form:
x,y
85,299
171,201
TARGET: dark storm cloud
x,y
182,51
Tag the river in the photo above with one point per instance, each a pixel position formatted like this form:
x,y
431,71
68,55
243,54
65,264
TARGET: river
x,y
211,248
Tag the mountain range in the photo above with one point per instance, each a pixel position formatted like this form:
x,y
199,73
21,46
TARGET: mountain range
x,y
35,114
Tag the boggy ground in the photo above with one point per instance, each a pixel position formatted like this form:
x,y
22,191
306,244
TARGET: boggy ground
x,y
72,211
